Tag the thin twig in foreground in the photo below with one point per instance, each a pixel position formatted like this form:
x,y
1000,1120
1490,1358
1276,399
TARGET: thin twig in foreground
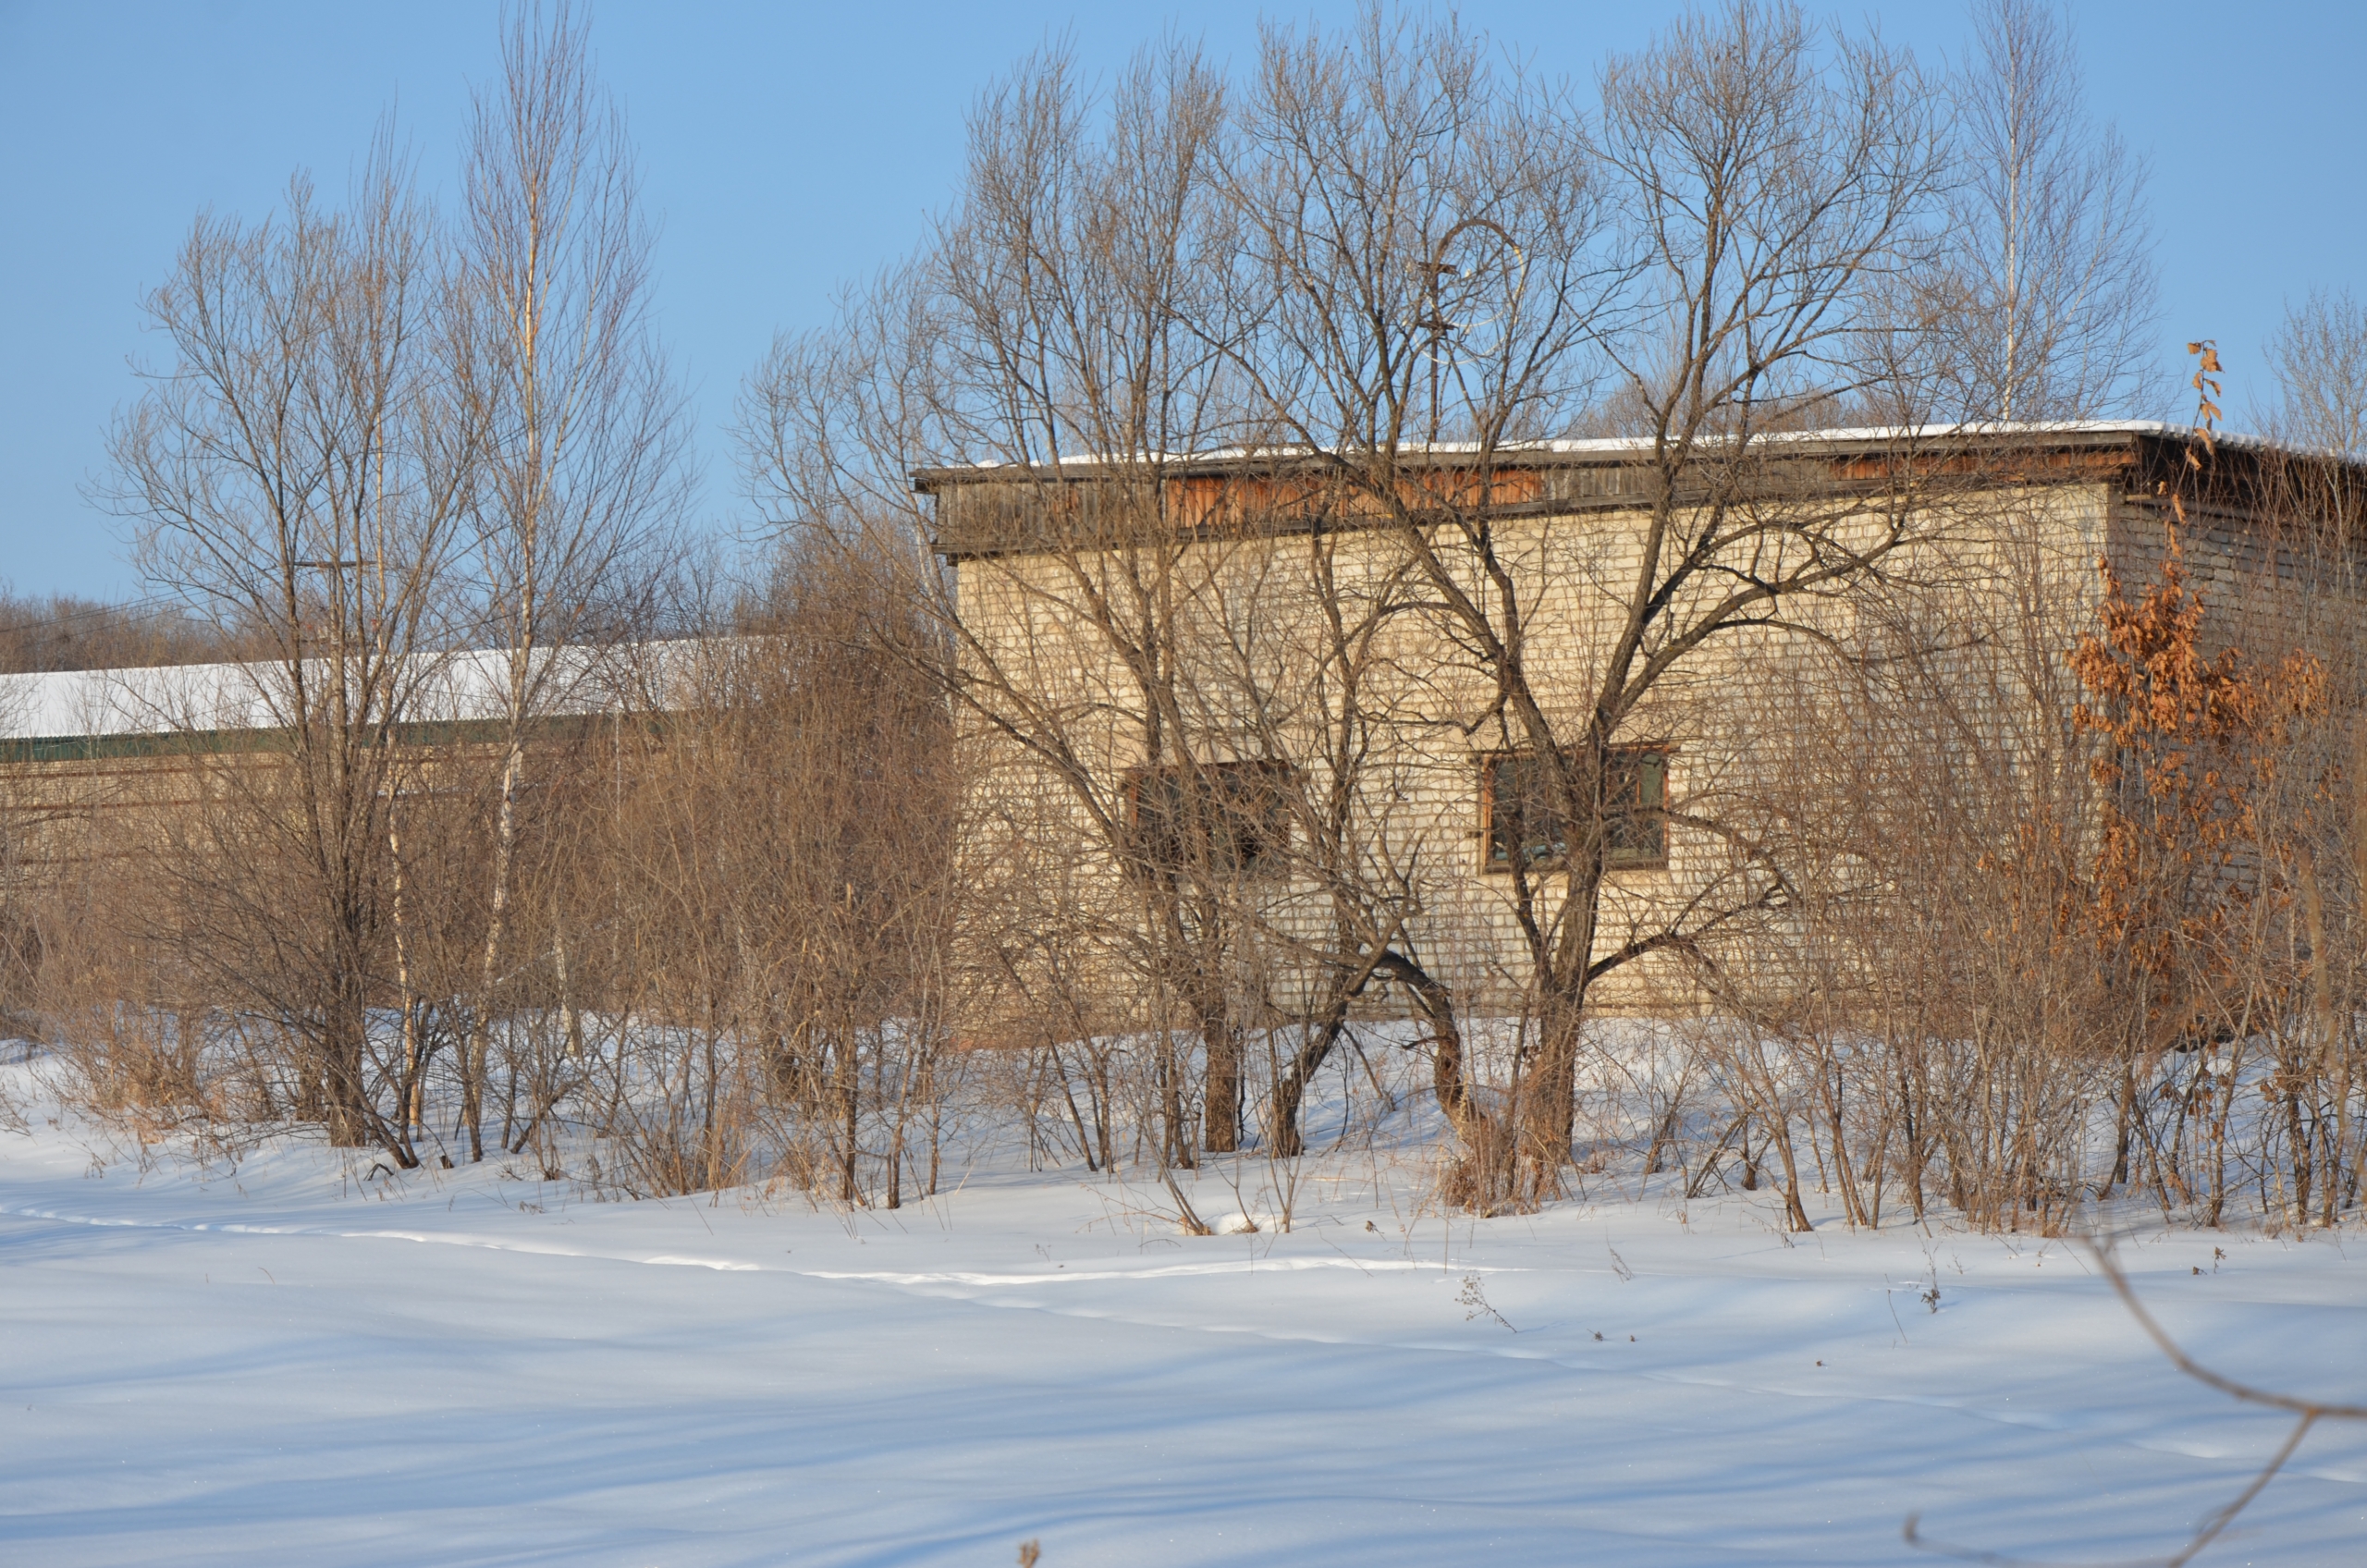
x,y
2307,1413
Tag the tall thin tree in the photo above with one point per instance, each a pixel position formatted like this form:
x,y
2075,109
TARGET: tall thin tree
x,y
2045,305
555,350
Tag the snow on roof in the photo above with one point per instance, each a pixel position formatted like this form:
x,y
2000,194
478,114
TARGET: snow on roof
x,y
1618,446
1611,446
439,688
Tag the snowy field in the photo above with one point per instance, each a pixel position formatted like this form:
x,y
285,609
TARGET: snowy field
x,y
284,1364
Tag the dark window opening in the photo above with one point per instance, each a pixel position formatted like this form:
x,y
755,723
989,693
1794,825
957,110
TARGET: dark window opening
x,y
1226,818
1520,811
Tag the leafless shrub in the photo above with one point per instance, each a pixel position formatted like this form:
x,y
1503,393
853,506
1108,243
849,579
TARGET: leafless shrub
x,y
778,871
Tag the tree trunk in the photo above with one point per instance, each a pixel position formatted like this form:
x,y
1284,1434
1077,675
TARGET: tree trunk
x,y
1220,1090
1796,1215
475,1052
2127,1114
1290,1090
342,1051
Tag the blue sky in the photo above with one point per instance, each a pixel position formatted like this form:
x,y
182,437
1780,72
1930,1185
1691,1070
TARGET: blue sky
x,y
787,148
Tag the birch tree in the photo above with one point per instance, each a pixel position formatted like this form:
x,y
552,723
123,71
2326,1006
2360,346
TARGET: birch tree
x,y
2045,305
554,347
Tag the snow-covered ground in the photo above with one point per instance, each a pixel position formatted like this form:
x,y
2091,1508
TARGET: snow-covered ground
x,y
286,1365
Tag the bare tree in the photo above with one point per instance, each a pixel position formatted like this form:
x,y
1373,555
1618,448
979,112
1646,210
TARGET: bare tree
x,y
297,473
1717,248
2044,304
2319,361
1258,655
552,347
2319,827
1044,329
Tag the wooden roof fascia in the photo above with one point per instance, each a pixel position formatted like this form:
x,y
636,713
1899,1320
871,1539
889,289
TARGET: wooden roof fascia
x,y
1808,474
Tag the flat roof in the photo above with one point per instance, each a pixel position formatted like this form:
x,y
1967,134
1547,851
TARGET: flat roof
x,y
1614,450
455,688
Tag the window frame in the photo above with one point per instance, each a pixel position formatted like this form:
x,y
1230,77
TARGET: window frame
x,y
1263,811
1652,759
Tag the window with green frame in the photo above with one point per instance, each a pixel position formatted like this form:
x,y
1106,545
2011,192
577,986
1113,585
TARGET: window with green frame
x,y
1520,813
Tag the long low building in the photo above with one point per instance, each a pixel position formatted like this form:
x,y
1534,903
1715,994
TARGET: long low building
x,y
87,758
83,714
